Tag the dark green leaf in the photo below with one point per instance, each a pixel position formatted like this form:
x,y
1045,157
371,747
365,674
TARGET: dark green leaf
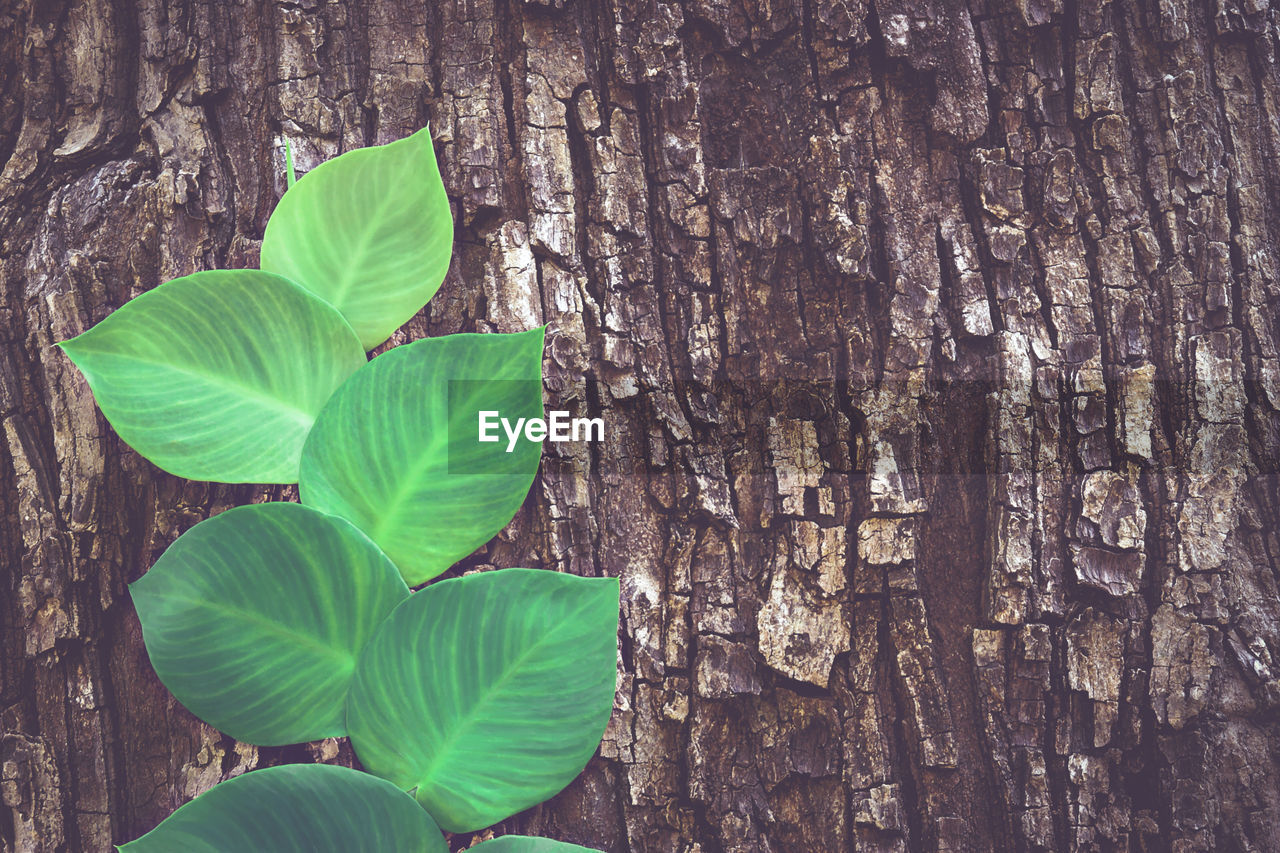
x,y
526,844
488,693
254,619
396,451
297,808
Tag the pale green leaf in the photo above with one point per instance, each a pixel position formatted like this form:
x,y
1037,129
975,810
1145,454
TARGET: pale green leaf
x,y
218,375
370,232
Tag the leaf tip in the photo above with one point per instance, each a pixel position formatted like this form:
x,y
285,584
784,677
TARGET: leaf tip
x,y
68,344
70,348
422,134
538,332
613,587
139,585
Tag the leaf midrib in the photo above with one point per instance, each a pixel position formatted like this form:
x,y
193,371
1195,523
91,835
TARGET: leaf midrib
x,y
302,416
388,513
342,655
356,258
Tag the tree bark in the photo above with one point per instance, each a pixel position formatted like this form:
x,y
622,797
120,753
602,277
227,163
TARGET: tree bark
x,y
936,344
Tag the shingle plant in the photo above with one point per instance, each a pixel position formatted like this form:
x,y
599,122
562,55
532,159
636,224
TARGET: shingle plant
x,y
469,700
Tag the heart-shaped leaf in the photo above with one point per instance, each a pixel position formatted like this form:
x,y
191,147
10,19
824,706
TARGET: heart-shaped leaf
x,y
369,232
297,808
528,844
254,619
396,450
218,375
487,693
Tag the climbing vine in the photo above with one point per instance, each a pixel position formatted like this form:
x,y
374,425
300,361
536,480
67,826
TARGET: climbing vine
x,y
473,698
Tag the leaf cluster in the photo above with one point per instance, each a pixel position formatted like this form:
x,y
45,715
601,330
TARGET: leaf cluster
x,y
467,701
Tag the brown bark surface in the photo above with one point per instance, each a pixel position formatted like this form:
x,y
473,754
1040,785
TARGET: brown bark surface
x,y
936,343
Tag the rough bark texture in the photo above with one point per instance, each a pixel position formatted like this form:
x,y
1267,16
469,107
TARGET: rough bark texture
x,y
937,344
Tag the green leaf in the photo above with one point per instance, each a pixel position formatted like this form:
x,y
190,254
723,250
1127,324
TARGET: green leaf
x,y
370,232
488,693
297,808
218,375
254,619
528,844
396,451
